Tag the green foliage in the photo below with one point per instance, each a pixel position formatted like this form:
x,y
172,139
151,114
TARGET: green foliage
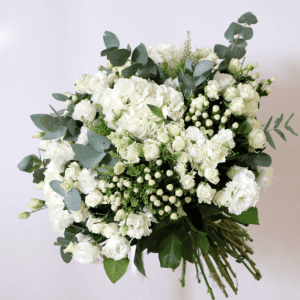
x,y
66,257
249,216
221,51
57,132
235,52
110,40
29,163
187,85
99,142
131,70
138,261
247,33
71,125
189,67
48,122
119,57
38,175
72,199
270,139
207,210
278,121
149,70
156,110
115,269
202,71
140,55
187,247
258,159
248,18
60,97
36,120
161,77
204,243
244,128
101,128
106,51
280,133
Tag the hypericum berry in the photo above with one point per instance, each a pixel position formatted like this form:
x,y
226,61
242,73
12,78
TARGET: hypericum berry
x,y
112,197
227,112
198,113
168,208
170,187
216,108
197,124
235,125
192,110
136,190
273,79
74,98
115,179
114,207
112,185
147,170
223,119
179,193
157,175
205,115
126,196
151,182
153,198
202,128
140,179
178,203
118,199
211,132
217,117
148,192
206,103
157,203
169,173
192,191
208,123
187,118
148,177
255,65
161,212
269,90
174,216
159,162
105,198
172,199
188,199
159,192
165,198
119,184
194,118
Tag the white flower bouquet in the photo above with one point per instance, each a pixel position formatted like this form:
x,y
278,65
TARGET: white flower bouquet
x,y
161,150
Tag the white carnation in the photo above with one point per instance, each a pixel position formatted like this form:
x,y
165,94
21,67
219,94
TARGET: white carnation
x,y
230,93
116,247
224,80
86,181
86,253
84,109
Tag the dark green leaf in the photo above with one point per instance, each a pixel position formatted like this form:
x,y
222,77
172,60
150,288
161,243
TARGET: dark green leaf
x,y
233,29
128,48
57,132
244,128
140,54
57,114
168,120
70,137
56,244
268,124
235,53
106,51
131,70
110,40
56,186
156,110
63,241
67,257
247,33
71,125
38,175
138,260
207,210
36,120
248,18
220,50
280,133
70,110
27,164
290,129
278,121
149,70
249,216
99,142
187,247
189,66
87,155
269,139
109,162
115,269
170,251
240,43
187,84
204,243
287,122
119,57
260,159
73,200
60,97
160,78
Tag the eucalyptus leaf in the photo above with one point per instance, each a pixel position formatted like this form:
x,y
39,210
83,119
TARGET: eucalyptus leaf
x,y
119,57
161,77
202,78
36,120
73,200
66,257
57,132
128,48
280,133
56,113
71,125
38,175
240,43
189,67
278,121
109,162
60,97
235,52
248,18
287,122
220,50
110,40
131,70
247,33
187,84
115,269
202,67
72,138
270,139
56,186
244,128
260,159
70,110
268,124
149,70
140,55
250,216
63,241
233,29
207,210
290,129
99,142
156,110
106,51
27,163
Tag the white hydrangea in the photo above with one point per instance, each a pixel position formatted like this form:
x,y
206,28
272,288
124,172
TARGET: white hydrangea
x,y
86,182
117,247
87,253
60,219
84,109
224,80
242,192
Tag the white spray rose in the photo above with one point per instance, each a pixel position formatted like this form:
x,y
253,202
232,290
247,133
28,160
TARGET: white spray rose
x,y
180,169
184,158
132,154
234,66
187,181
174,128
205,193
116,247
198,102
110,229
93,198
224,80
212,89
84,109
162,135
230,93
95,225
212,175
151,150
120,215
257,138
178,144
237,106
81,214
251,108
86,253
254,123
245,90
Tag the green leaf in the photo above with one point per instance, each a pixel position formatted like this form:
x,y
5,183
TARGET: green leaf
x,y
161,77
187,84
156,110
248,18
269,139
63,241
110,40
249,216
170,251
73,200
247,33
278,121
268,124
57,132
128,48
87,155
72,138
168,120
204,243
290,129
99,142
27,164
70,110
240,43
71,125
280,133
57,114
56,186
115,269
66,257
38,175
233,29
119,57
60,97
260,159
106,51
131,70
220,50
140,55
187,247
138,261
149,70
244,128
287,122
189,67
207,210
235,53
36,120
202,67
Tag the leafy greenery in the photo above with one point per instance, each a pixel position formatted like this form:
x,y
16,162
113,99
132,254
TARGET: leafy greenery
x,y
48,122
131,70
66,257
248,18
138,261
110,40
38,175
140,55
119,57
29,163
156,110
60,97
115,269
249,216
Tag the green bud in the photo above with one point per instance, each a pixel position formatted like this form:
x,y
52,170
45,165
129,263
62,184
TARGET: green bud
x,y
39,134
24,215
36,203
124,230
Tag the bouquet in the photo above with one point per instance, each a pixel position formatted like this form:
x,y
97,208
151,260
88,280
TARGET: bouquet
x,y
161,150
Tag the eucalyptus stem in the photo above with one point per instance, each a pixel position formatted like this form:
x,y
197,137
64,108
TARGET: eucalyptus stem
x,y
183,272
235,41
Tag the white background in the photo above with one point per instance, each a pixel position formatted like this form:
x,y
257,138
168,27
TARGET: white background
x,y
45,45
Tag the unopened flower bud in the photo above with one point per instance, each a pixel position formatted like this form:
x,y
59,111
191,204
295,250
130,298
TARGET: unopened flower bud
x,y
36,203
235,125
178,203
263,81
161,212
157,203
187,118
254,84
165,198
197,124
194,118
159,192
114,207
169,173
135,190
211,132
147,170
249,67
39,135
216,108
206,103
159,162
153,198
24,215
151,182
188,199
157,175
192,110
74,98
217,117
205,115
170,187
273,79
112,185
140,179
198,113
168,208
115,179
148,177
179,193
192,191
126,196
172,199
227,112
208,123
174,216
269,90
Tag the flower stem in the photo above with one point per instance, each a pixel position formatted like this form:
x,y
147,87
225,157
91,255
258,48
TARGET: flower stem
x,y
183,272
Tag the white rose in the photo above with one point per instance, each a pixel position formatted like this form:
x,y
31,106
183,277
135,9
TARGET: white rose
x,y
254,123
224,80
219,198
237,106
205,193
245,90
234,170
187,182
116,247
230,93
184,158
95,225
86,182
93,198
84,109
178,144
251,108
86,253
180,169
73,170
119,168
120,215
151,151
198,102
212,175
212,89
162,135
257,138
110,229
234,66
132,154
174,128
